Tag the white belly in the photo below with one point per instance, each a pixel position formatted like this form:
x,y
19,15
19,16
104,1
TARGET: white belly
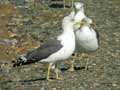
x,y
64,53
61,55
86,40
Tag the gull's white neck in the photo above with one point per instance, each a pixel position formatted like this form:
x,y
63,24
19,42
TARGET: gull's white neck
x,y
82,10
67,34
79,16
67,39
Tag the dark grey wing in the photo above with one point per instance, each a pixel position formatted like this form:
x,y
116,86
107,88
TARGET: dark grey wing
x,y
40,53
50,43
44,51
98,37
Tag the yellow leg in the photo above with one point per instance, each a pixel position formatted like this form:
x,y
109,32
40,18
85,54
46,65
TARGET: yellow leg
x,y
57,75
87,62
72,66
48,74
72,63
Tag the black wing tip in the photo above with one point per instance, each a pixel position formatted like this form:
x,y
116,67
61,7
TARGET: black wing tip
x,y
15,63
18,62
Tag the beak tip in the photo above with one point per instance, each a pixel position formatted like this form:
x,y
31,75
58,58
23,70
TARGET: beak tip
x,y
94,24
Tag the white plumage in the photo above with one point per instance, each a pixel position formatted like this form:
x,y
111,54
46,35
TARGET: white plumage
x,y
78,12
86,37
67,39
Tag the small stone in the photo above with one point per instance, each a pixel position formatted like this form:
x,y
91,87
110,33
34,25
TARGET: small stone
x,y
114,84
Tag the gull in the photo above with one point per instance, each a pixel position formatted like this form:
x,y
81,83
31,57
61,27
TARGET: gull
x,y
53,51
87,39
78,12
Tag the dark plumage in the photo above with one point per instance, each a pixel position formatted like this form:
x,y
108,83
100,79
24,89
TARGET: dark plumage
x,y
40,53
98,37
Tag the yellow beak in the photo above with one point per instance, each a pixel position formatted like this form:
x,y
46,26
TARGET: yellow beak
x,y
82,23
93,24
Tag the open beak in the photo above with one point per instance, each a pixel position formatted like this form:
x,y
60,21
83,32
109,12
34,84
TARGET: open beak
x,y
93,24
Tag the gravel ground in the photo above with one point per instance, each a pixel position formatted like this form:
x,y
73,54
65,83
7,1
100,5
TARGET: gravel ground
x,y
104,65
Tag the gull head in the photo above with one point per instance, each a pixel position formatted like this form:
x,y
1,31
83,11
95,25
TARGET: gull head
x,y
88,22
78,6
69,22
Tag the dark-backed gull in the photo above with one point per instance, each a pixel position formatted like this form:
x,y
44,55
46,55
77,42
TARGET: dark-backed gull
x,y
55,50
